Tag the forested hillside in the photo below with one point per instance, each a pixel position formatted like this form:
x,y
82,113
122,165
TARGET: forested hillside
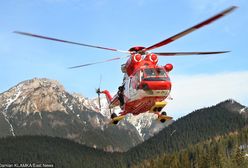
x,y
63,153
198,126
175,146
229,151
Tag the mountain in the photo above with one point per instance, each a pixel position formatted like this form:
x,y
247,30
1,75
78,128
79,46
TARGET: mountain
x,y
234,106
43,107
173,145
4,126
229,151
226,151
51,150
193,128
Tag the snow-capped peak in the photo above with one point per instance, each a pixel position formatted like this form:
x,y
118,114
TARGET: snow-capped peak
x,y
142,122
39,95
34,95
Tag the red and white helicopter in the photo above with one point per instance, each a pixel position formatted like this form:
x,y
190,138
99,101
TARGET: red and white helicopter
x,y
145,84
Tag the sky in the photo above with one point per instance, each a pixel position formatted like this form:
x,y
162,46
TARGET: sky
x,y
198,81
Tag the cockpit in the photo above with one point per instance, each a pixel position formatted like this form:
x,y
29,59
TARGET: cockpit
x,y
147,78
154,74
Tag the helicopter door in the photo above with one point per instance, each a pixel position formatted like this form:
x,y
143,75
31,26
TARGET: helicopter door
x,y
133,84
126,86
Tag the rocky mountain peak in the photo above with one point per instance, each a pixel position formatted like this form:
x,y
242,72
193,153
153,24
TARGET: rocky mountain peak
x,y
35,95
42,106
234,106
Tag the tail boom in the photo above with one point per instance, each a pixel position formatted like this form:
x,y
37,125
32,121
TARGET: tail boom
x,y
108,95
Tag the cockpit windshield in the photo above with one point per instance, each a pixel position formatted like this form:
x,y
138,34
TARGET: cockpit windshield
x,y
155,74
150,72
160,72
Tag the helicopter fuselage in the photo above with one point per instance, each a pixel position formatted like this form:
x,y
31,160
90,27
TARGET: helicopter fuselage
x,y
144,84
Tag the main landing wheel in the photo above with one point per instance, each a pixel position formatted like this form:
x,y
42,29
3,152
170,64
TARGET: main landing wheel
x,y
113,115
164,113
162,120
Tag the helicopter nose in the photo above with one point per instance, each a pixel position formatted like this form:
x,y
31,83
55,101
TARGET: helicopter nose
x,y
155,85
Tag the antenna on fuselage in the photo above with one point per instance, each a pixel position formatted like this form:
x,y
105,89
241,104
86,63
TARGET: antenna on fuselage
x,y
98,91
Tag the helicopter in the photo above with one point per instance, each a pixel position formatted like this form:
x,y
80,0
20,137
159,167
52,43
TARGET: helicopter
x,y
146,85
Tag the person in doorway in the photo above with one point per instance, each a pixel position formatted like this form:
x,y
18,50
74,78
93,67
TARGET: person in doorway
x,y
121,96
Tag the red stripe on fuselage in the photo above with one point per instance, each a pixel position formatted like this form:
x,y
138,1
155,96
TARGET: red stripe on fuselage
x,y
142,105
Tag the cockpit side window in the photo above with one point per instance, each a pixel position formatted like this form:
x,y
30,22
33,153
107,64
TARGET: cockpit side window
x,y
141,74
137,78
160,72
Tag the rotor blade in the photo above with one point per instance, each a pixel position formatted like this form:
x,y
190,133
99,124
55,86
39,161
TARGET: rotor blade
x,y
108,60
65,41
189,53
183,33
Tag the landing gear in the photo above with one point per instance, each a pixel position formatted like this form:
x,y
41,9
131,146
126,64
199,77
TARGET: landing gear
x,y
163,117
115,119
162,120
164,113
113,115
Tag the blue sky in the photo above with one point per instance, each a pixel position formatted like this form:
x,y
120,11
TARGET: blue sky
x,y
121,25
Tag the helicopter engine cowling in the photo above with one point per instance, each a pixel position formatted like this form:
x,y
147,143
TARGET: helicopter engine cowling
x,y
153,58
132,62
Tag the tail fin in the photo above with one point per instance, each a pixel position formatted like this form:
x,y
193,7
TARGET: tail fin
x,y
107,94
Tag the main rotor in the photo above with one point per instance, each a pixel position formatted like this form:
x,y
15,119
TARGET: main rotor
x,y
144,50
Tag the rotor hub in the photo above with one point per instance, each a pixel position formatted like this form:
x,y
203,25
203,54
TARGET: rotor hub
x,y
137,49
